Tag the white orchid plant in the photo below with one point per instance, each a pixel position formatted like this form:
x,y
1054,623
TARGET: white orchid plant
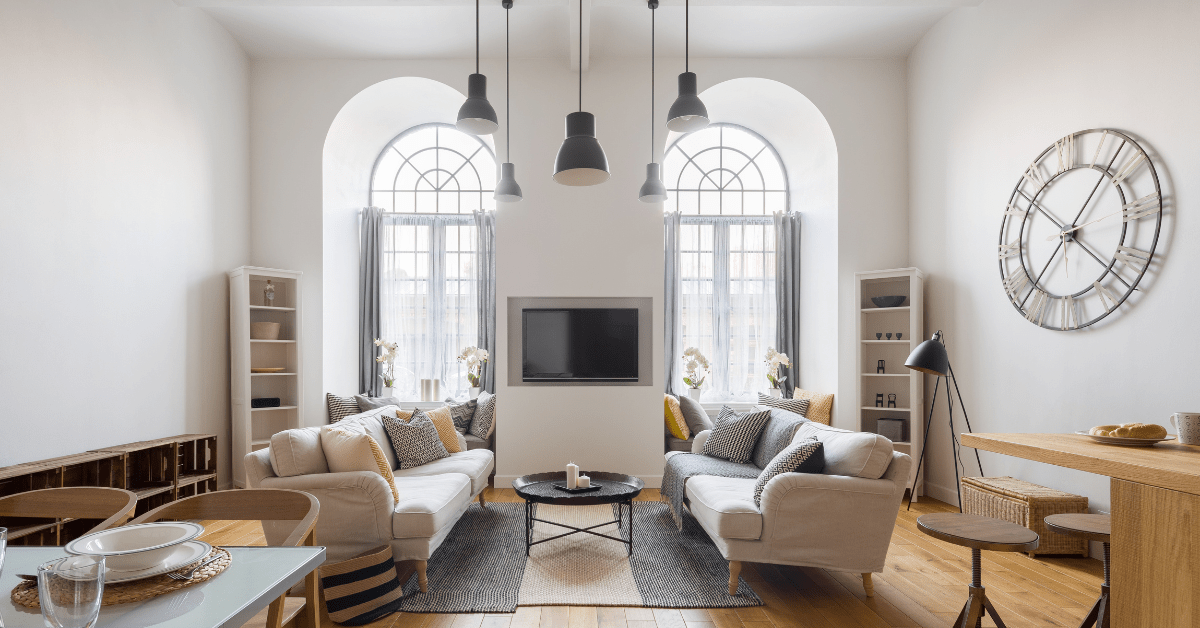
x,y
775,360
696,367
474,358
387,358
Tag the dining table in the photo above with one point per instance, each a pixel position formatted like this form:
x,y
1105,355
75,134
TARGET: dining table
x,y
253,579
1155,501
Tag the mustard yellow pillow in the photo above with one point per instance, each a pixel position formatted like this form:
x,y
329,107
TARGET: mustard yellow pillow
x,y
819,405
348,451
444,422
675,421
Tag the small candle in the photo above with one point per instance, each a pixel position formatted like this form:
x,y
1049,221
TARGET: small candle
x,y
584,481
572,475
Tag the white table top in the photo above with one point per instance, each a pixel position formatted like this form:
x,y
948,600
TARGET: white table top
x,y
256,576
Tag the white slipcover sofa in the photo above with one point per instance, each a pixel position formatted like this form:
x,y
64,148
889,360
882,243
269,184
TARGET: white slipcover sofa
x,y
841,519
358,512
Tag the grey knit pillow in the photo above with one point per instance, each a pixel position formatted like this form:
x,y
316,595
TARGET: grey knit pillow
x,y
485,416
806,456
416,441
799,406
462,413
733,435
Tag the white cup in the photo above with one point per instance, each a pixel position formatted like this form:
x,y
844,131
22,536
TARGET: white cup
x,y
1188,426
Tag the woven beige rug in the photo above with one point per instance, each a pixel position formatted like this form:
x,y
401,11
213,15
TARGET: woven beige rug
x,y
580,566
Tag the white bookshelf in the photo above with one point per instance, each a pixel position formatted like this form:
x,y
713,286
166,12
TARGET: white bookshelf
x,y
896,379
253,427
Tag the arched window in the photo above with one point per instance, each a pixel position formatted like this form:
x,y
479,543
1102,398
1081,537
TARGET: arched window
x,y
727,183
434,169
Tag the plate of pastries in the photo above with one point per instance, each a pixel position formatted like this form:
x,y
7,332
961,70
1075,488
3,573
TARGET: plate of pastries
x,y
1129,434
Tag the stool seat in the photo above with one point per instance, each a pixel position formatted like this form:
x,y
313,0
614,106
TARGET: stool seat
x,y
978,532
1082,526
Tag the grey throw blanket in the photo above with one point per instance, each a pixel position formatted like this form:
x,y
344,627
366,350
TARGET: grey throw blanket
x,y
682,466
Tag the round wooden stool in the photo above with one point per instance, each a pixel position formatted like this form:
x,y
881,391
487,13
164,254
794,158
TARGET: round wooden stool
x,y
978,533
1092,528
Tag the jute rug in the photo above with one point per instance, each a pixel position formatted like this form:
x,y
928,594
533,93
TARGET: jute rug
x,y
481,566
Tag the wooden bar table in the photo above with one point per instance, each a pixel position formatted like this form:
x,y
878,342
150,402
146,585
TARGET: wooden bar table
x,y
1155,519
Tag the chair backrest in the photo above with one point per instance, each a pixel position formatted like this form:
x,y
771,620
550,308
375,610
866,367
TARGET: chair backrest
x,y
113,506
255,504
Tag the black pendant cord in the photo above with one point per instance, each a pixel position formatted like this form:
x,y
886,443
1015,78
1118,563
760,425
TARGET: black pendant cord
x,y
687,33
581,55
477,36
652,85
507,92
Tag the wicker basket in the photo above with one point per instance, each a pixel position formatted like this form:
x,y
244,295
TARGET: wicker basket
x,y
1025,504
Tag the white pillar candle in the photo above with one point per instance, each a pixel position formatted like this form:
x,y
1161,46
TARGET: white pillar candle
x,y
572,475
584,481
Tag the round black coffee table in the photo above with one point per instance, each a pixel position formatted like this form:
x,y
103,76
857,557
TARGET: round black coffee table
x,y
615,488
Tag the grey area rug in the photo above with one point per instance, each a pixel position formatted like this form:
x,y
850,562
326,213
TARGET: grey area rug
x,y
481,566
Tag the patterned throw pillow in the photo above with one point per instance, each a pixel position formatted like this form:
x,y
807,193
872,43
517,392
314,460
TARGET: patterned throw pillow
x,y
676,425
485,416
415,442
462,413
799,406
806,456
340,407
348,451
734,435
445,427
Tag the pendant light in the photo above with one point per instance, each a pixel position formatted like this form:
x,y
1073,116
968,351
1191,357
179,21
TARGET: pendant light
x,y
507,190
476,116
688,113
653,190
581,159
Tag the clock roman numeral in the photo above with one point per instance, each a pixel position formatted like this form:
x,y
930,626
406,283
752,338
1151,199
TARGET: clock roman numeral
x,y
1034,176
1070,314
1129,168
1013,210
1066,153
1038,307
1137,259
1015,282
1145,206
1096,156
1107,298
1010,249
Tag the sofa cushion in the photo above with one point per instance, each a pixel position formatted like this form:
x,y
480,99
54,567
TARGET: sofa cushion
x,y
428,504
802,457
340,407
476,464
370,423
416,441
734,435
366,404
474,442
349,451
676,425
462,413
484,421
678,444
694,415
819,405
298,452
725,506
797,406
444,422
856,454
776,435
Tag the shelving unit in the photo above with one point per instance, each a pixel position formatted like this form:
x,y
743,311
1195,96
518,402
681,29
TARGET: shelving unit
x,y
253,427
907,385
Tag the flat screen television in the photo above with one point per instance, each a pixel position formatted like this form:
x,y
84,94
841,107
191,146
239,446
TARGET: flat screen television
x,y
579,345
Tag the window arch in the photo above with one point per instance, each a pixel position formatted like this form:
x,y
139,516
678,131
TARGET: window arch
x,y
725,170
434,169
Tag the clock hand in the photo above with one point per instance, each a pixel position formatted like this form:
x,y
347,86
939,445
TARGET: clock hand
x,y
1066,231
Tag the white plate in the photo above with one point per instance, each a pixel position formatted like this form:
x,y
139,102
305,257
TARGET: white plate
x,y
136,547
182,555
1127,442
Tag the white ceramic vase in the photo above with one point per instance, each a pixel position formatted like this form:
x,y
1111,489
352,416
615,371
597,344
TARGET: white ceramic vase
x,y
388,392
775,392
475,392
694,393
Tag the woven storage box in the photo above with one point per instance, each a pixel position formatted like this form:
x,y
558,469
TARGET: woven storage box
x,y
1025,504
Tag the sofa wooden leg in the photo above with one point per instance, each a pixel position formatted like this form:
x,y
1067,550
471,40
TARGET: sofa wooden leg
x,y
735,568
482,501
422,580
867,586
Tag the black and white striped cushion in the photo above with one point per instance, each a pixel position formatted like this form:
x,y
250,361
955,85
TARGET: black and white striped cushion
x,y
807,456
340,407
485,415
415,442
462,413
734,435
799,406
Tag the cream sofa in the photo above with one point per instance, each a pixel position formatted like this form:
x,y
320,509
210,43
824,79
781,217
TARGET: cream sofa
x,y
358,512
841,519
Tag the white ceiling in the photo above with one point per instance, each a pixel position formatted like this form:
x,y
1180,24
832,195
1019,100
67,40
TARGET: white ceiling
x,y
440,29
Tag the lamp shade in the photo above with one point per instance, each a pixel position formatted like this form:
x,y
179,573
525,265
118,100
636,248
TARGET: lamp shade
x,y
581,159
476,116
688,112
653,190
507,190
930,357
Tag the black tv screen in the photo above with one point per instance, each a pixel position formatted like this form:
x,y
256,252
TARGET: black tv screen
x,y
580,345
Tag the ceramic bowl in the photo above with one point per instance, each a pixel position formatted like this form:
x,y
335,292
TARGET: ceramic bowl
x,y
895,301
136,547
264,331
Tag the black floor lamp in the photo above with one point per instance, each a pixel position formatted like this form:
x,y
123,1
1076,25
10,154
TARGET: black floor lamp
x,y
930,357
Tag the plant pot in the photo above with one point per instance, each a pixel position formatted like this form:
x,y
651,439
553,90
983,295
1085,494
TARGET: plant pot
x,y
694,393
775,392
388,392
475,392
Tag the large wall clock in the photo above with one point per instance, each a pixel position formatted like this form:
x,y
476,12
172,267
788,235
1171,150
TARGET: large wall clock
x,y
1080,229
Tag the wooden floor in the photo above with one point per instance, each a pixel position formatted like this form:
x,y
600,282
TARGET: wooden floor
x,y
924,584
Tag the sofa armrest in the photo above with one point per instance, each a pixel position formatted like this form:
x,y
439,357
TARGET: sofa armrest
x,y
699,440
356,509
258,467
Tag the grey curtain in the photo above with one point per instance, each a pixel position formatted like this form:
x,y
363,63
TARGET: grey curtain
x,y
672,334
369,250
486,270
787,294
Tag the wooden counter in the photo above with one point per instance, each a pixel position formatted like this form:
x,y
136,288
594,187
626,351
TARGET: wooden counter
x,y
1156,519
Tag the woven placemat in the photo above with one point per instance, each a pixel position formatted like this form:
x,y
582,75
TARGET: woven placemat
x,y
26,593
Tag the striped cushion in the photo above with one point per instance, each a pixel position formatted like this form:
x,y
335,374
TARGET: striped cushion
x,y
734,435
462,413
415,442
799,406
806,456
340,407
485,416
363,589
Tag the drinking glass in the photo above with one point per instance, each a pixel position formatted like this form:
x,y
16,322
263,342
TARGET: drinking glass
x,y
70,589
3,544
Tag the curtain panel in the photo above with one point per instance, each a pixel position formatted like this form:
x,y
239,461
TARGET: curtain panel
x,y
485,223
673,350
787,295
369,248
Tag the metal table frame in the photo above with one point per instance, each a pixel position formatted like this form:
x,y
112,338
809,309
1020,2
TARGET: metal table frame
x,y
622,507
624,502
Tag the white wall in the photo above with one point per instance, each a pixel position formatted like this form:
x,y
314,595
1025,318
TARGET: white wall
x,y
990,87
124,174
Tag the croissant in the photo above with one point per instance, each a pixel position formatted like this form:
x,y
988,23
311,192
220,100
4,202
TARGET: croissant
x,y
1130,430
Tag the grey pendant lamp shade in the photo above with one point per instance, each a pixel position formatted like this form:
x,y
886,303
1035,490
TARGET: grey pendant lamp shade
x,y
476,116
581,160
653,190
687,113
507,190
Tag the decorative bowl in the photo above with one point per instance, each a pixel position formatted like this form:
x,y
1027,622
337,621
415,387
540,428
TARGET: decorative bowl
x,y
893,301
264,331
136,547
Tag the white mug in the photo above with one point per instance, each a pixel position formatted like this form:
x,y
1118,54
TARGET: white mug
x,y
1188,425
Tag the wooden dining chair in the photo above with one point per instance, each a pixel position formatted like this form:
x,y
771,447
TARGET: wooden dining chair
x,y
111,506
260,504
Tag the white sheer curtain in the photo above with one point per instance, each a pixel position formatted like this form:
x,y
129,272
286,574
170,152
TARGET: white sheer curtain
x,y
428,298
